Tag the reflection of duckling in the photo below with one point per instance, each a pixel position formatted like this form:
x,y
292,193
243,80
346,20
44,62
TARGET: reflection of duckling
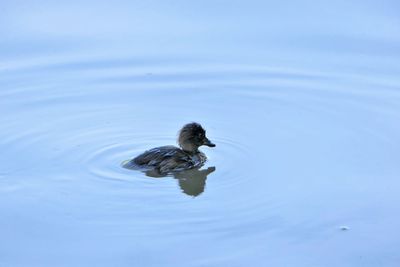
x,y
167,159
192,182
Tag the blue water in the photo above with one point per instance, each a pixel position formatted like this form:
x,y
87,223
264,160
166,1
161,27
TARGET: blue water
x,y
302,99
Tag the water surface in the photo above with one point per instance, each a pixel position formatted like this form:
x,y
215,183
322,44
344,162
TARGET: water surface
x,y
302,99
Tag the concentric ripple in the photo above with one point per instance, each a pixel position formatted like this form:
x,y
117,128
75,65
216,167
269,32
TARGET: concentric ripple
x,y
288,142
105,162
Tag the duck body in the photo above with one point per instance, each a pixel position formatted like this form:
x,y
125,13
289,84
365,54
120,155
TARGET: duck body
x,y
167,159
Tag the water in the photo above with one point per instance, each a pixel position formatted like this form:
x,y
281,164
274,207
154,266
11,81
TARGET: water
x,y
302,99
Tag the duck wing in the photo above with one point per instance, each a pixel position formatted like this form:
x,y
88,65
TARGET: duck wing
x,y
155,156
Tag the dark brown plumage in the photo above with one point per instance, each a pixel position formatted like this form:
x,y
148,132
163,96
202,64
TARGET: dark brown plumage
x,y
170,158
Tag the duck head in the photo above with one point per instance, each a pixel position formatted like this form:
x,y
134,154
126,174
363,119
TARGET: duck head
x,y
192,136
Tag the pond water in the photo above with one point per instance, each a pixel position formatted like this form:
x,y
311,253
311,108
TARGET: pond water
x,y
301,98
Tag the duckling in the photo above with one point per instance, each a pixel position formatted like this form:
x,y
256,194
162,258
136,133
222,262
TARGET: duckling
x,y
167,159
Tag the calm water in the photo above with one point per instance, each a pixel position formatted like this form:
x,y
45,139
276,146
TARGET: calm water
x,y
302,99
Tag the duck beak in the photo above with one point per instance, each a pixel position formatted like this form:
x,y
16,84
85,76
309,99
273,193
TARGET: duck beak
x,y
207,142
